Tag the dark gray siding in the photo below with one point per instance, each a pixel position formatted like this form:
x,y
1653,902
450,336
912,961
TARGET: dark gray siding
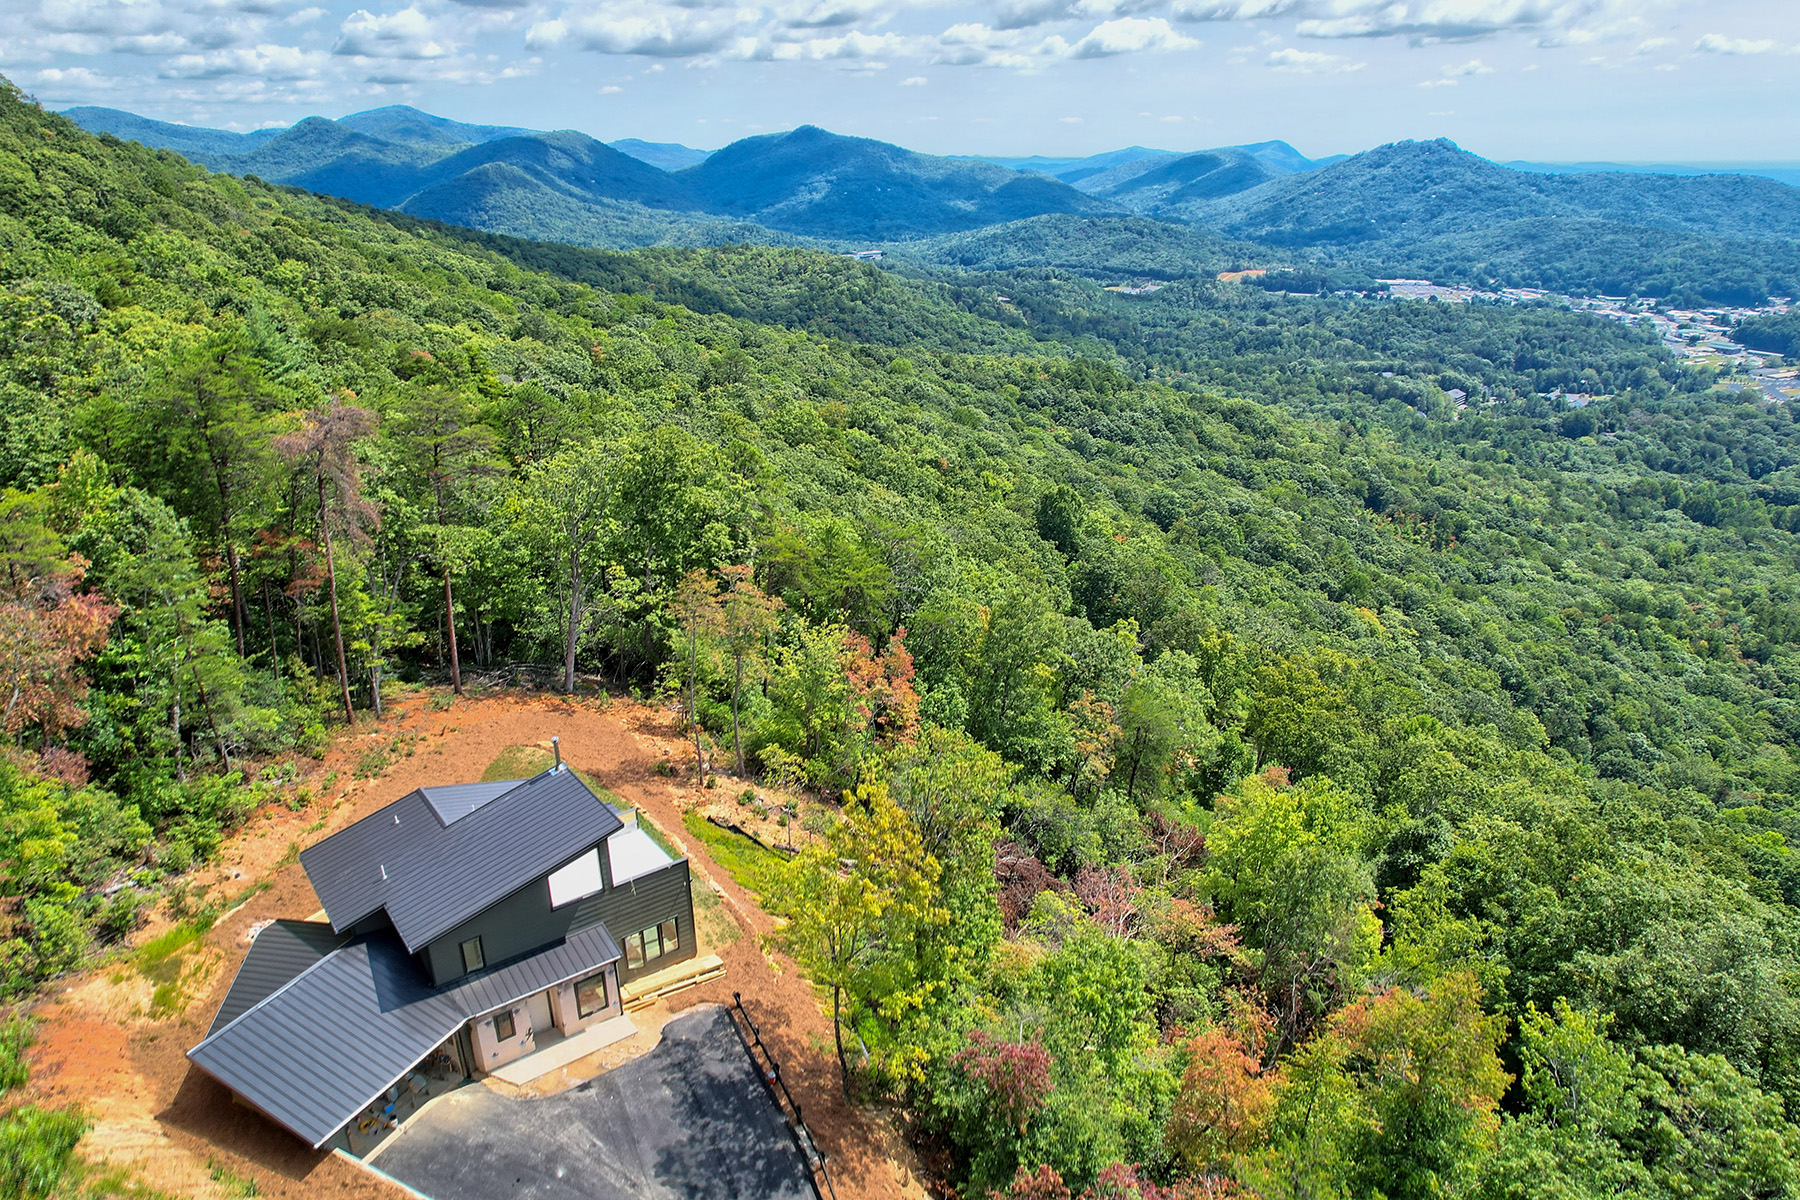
x,y
524,920
516,925
649,900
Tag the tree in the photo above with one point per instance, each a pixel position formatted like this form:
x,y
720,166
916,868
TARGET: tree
x,y
1430,1077
568,498
1012,1078
449,446
1225,1101
325,448
851,896
1289,867
747,618
205,431
47,627
695,607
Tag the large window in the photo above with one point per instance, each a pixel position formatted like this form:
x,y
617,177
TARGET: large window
x,y
590,995
472,956
652,944
504,1029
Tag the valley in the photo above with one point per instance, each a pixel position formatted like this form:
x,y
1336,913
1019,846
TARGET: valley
x,y
1191,675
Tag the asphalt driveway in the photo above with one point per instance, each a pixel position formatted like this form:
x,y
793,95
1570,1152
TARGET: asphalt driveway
x,y
688,1121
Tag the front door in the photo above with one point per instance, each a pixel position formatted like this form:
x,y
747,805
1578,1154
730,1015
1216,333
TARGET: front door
x,y
539,1006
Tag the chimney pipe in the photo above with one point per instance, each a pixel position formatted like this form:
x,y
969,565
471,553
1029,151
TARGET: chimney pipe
x,y
556,745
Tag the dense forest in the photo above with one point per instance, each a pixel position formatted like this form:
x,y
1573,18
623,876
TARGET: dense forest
x,y
1258,775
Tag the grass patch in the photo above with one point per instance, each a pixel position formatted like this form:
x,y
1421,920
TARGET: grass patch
x,y
522,762
158,959
753,865
229,1181
717,928
518,762
167,1000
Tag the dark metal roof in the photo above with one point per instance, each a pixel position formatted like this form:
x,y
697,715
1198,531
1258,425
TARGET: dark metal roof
x,y
457,800
431,876
320,1049
280,952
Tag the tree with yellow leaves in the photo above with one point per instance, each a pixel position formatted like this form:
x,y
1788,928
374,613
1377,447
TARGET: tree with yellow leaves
x,y
850,899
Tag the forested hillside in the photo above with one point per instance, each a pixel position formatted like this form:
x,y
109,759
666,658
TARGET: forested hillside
x,y
1269,778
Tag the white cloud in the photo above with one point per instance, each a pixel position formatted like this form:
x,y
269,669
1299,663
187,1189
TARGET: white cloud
x,y
1555,21
545,34
914,81
74,78
1718,43
611,89
408,33
1652,45
1069,120
653,30
1310,62
257,64
1124,35
1463,70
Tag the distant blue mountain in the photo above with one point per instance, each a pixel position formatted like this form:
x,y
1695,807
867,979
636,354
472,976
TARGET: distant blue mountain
x,y
571,187
826,185
1069,170
670,156
404,123
1788,173
190,141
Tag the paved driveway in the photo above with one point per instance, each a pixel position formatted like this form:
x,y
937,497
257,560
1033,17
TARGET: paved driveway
x,y
688,1121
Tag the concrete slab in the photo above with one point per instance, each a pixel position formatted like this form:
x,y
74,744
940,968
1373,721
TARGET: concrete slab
x,y
688,1121
561,1053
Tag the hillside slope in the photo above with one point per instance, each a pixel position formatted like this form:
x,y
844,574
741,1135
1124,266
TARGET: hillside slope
x,y
1400,734
1431,208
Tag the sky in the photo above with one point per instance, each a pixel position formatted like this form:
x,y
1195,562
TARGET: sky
x,y
1689,81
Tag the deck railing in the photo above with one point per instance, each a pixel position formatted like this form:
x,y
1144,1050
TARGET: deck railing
x,y
766,1066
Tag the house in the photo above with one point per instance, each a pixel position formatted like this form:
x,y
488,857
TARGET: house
x,y
465,926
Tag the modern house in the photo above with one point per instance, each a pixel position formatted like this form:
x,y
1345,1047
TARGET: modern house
x,y
465,927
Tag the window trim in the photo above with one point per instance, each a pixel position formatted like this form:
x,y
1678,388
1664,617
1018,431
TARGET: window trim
x,y
512,1027
480,955
605,995
650,945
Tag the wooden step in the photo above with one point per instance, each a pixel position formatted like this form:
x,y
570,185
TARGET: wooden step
x,y
648,989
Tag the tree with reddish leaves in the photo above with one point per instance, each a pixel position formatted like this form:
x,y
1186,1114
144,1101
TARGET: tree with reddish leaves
x,y
881,686
1111,896
325,448
1120,1181
48,628
1021,877
1042,1184
1225,1101
1124,1181
1014,1077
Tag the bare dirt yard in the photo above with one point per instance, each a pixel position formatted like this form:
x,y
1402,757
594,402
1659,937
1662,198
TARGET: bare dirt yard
x,y
114,1040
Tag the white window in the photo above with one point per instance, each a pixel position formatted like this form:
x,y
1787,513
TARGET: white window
x,y
580,878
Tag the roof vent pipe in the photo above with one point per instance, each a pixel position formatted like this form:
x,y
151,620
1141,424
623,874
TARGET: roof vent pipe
x,y
556,745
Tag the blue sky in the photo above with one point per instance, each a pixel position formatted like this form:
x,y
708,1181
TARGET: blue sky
x,y
1621,80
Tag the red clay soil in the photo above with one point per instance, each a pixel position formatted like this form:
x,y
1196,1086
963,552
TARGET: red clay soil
x,y
155,1111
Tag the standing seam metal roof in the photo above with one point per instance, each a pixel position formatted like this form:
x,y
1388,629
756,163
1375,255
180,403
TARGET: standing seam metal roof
x,y
280,952
322,1047
430,875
